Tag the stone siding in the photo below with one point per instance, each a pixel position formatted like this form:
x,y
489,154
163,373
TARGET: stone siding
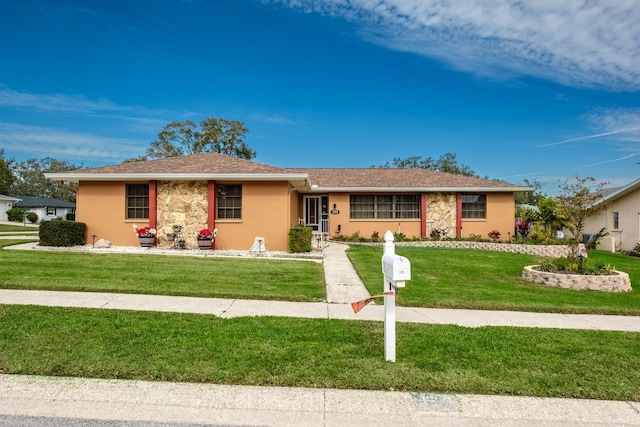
x,y
552,251
616,282
183,203
441,213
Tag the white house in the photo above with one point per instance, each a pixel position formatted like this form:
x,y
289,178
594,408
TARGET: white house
x,y
5,204
46,208
620,217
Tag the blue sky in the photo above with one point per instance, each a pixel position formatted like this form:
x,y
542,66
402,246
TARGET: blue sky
x,y
541,89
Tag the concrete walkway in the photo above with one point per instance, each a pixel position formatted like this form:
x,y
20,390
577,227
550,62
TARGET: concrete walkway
x,y
278,406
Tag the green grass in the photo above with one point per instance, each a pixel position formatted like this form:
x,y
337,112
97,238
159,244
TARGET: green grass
x,y
163,275
318,353
18,228
476,279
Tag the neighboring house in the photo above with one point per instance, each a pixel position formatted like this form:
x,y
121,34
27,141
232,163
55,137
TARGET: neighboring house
x,y
619,216
245,200
46,208
6,203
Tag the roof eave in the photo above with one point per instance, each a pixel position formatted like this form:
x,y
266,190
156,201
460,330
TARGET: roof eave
x,y
298,179
417,189
621,192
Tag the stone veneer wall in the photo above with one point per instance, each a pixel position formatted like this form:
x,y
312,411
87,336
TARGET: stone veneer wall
x,y
617,282
441,213
553,251
183,203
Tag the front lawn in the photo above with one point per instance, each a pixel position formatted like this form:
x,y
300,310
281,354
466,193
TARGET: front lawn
x,y
163,275
318,353
477,279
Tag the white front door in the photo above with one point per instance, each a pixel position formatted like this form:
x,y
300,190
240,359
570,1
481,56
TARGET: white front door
x,y
316,213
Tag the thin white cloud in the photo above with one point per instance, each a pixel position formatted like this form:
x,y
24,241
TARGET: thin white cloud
x,y
53,102
49,142
277,119
592,43
597,135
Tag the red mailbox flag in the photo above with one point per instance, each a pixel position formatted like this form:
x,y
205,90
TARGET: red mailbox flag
x,y
359,305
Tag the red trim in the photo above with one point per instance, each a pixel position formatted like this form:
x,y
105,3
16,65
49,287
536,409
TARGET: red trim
x,y
458,215
153,204
423,215
211,208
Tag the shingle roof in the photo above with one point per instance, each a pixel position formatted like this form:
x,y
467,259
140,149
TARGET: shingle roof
x,y
196,164
221,167
42,202
394,178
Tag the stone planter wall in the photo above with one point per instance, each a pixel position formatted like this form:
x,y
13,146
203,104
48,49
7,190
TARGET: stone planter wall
x,y
553,251
617,282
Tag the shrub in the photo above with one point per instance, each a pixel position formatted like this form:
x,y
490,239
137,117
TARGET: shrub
x,y
437,233
62,233
635,251
399,237
494,235
32,217
523,228
16,214
572,265
300,239
375,236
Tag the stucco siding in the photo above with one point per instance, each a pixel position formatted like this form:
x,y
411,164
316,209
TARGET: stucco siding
x,y
626,236
101,206
500,216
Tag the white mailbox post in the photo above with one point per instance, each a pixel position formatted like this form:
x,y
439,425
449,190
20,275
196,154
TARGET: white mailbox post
x,y
396,270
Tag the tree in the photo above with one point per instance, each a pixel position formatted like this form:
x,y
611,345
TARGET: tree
x,y
530,197
577,201
6,176
30,179
215,135
445,163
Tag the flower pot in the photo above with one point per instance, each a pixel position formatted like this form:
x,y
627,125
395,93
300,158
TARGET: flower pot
x,y
147,242
204,244
181,244
171,238
177,229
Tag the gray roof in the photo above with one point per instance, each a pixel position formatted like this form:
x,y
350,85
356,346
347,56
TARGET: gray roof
x,y
42,202
3,197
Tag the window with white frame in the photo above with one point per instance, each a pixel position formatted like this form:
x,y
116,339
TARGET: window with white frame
x,y
51,211
616,220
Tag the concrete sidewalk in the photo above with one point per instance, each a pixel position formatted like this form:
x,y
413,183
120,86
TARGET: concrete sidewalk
x,y
228,308
281,406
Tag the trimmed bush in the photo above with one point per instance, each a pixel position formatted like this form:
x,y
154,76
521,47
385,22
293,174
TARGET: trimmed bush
x,y
32,217
62,233
16,214
300,239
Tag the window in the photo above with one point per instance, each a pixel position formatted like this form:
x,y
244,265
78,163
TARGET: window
x,y
616,220
137,201
51,211
474,206
229,201
383,206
